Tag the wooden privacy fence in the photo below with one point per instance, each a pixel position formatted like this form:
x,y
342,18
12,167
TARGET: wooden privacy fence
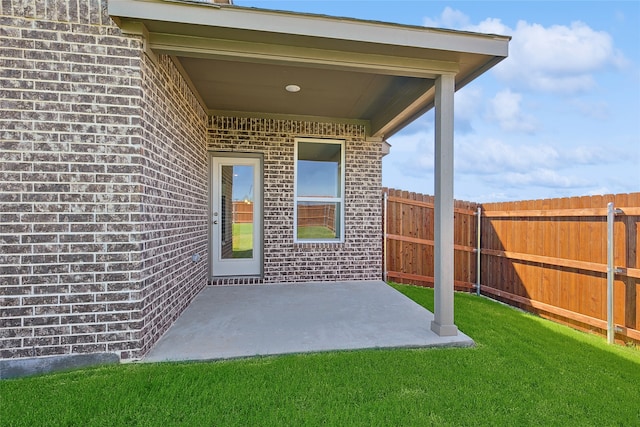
x,y
323,215
242,212
409,245
318,215
550,257
545,256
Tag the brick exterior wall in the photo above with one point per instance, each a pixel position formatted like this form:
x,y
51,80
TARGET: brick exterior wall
x,y
360,256
103,185
175,198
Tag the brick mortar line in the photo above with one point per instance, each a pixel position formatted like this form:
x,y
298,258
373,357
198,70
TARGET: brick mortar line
x,y
43,264
137,270
83,313
71,325
65,52
77,192
75,113
59,295
72,92
71,73
61,304
44,111
66,182
72,204
96,42
74,233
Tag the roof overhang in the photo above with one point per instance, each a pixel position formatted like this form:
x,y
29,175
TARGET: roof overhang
x,y
239,60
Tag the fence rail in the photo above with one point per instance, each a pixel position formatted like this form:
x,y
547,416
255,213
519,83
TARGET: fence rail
x,y
318,215
242,211
545,256
409,239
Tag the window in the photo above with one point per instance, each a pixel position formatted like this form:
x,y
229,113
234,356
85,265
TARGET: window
x,y
319,191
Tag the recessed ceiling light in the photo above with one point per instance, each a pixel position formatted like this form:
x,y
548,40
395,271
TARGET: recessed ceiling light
x,y
292,88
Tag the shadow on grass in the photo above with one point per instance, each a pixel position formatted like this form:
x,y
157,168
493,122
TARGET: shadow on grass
x,y
496,324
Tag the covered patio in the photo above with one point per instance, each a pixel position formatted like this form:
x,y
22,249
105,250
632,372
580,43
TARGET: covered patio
x,y
271,82
259,320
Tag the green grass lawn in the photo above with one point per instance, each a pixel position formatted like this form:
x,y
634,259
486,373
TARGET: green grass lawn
x,y
523,371
243,240
315,232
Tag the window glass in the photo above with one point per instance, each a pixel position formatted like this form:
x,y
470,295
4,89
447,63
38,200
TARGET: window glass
x,y
319,181
319,167
237,211
318,220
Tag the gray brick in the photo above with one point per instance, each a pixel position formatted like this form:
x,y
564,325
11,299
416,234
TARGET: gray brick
x,y
114,147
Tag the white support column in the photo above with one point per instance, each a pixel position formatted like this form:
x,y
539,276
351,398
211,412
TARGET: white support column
x,y
443,305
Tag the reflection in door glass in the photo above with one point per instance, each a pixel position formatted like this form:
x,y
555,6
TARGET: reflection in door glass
x,y
237,212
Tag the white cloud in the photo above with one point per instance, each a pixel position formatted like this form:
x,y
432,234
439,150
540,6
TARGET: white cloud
x,y
589,155
467,105
505,109
559,58
489,26
542,177
547,87
450,18
494,156
409,143
413,154
591,109
598,191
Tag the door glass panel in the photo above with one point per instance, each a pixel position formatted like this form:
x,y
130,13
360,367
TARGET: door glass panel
x,y
237,211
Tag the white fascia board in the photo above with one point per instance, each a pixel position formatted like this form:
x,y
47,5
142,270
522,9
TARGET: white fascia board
x,y
318,26
201,47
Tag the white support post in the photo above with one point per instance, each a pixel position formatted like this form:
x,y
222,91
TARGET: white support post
x,y
443,287
611,213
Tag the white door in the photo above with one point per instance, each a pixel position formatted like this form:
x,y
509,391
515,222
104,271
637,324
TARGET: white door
x,y
236,222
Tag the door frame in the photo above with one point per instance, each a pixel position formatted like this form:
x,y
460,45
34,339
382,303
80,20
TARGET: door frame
x,y
258,191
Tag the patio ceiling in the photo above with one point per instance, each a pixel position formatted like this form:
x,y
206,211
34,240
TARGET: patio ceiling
x,y
239,60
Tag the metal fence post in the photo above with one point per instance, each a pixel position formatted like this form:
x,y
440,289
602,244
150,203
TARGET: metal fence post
x,y
478,234
385,214
610,272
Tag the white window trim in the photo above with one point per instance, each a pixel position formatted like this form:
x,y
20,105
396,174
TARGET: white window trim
x,y
340,200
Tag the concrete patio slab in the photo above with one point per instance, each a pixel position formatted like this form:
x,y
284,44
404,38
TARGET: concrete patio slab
x,y
249,320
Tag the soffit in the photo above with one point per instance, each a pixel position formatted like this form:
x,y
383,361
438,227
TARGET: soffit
x,y
239,60
256,87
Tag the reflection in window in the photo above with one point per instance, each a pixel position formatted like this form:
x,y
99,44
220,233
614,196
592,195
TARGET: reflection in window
x,y
319,190
237,211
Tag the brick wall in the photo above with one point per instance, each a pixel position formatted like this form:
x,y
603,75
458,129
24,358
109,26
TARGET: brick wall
x,y
359,257
104,183
175,197
102,174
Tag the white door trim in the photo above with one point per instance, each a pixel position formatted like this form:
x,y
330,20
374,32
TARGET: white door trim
x,y
225,266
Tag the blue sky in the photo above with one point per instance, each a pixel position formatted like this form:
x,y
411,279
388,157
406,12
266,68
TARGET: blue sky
x,y
560,117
